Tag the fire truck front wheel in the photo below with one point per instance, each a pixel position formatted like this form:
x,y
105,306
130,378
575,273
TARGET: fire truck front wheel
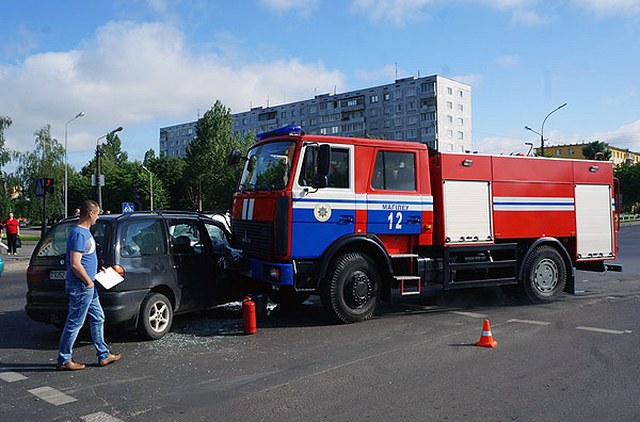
x,y
351,293
545,275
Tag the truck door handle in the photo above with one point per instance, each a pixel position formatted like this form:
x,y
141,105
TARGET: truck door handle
x,y
413,220
346,219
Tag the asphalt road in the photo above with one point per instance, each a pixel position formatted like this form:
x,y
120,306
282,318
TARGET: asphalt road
x,y
573,360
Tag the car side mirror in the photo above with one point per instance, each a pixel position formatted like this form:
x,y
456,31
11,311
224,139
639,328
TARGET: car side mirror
x,y
324,160
234,157
320,182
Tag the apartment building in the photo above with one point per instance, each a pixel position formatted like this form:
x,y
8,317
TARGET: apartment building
x,y
432,110
618,155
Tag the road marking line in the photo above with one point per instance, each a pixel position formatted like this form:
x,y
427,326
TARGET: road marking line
x,y
529,321
99,417
470,314
603,330
53,396
11,376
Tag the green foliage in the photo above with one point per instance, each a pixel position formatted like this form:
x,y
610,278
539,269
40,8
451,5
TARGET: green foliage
x,y
207,175
45,161
170,170
629,176
591,149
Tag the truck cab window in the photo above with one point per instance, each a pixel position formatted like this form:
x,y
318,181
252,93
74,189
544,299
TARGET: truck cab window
x,y
394,171
338,170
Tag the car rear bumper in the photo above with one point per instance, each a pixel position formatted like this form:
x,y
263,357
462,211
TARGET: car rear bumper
x,y
119,307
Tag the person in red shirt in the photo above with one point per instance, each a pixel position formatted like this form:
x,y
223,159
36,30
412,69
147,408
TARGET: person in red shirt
x,y
12,228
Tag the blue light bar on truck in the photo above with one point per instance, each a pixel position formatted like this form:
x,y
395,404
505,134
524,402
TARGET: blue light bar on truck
x,y
281,131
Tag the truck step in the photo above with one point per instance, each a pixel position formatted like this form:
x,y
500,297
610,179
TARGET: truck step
x,y
409,284
404,255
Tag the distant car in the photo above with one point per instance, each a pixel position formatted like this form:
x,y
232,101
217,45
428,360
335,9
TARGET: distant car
x,y
172,262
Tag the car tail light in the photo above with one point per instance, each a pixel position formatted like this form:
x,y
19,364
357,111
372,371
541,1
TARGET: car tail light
x,y
35,275
119,270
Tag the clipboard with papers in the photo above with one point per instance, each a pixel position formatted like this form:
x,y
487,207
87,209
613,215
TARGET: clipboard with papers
x,y
108,278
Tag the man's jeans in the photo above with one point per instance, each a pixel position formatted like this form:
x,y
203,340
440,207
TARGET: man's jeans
x,y
82,301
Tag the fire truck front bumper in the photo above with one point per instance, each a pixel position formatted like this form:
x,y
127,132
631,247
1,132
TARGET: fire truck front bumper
x,y
271,272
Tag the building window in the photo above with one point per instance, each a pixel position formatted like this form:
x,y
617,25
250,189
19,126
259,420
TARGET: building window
x,y
449,105
427,87
397,94
460,135
460,121
386,96
450,133
373,99
398,108
558,152
449,90
449,118
459,93
572,151
398,121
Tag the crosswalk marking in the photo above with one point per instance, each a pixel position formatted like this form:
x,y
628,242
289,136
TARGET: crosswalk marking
x,y
529,321
469,314
51,395
11,376
99,417
603,330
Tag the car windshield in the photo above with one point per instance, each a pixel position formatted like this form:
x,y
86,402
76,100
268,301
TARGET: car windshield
x,y
268,166
55,241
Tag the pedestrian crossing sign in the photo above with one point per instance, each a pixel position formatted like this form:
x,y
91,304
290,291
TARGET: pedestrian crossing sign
x,y
127,207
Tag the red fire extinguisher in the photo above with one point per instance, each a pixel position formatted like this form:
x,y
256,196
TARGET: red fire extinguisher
x,y
249,315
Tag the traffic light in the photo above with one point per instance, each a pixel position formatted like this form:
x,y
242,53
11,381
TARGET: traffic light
x,y
48,185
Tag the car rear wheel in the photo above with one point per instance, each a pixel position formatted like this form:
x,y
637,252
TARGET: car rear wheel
x,y
156,316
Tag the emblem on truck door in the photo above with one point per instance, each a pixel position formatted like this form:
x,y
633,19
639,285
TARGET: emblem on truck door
x,y
322,212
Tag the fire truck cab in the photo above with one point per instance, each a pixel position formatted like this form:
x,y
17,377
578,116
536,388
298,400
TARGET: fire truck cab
x,y
352,219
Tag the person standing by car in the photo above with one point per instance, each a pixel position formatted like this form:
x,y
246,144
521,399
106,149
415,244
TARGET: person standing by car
x,y
82,267
12,228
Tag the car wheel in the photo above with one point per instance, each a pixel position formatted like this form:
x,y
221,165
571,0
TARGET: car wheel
x,y
156,316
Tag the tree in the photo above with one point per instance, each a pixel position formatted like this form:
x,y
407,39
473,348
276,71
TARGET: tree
x,y
7,188
208,179
46,161
629,176
170,171
596,147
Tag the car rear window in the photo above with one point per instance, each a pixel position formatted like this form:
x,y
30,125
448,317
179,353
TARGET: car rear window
x,y
142,238
55,241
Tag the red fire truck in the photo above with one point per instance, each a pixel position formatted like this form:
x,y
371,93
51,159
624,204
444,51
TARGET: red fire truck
x,y
353,219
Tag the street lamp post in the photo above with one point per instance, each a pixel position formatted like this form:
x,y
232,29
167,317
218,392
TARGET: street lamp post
x,y
541,133
98,164
150,187
66,129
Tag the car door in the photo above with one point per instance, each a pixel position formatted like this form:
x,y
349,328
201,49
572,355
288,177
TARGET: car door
x,y
192,264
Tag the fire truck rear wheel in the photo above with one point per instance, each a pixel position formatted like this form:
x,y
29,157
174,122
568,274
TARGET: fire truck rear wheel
x,y
351,293
545,274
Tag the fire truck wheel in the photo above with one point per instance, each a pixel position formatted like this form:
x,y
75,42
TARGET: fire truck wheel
x,y
288,297
156,316
351,293
545,274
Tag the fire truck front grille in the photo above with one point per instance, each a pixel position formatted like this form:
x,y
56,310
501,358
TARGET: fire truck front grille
x,y
254,237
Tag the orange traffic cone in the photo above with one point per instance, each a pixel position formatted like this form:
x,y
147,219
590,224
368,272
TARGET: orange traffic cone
x,y
486,339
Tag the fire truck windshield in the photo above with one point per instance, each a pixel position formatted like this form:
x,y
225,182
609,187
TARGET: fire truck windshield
x,y
268,166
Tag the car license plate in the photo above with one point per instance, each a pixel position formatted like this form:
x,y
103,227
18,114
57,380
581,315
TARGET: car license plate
x,y
58,275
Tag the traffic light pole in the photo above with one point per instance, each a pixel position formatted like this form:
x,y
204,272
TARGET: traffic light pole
x,y
44,214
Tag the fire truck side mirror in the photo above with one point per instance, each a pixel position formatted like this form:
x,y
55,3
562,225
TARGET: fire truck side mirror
x,y
320,182
324,160
234,157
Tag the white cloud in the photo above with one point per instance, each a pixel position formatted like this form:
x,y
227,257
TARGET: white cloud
x,y
469,79
135,75
508,60
610,7
529,17
626,136
396,11
303,6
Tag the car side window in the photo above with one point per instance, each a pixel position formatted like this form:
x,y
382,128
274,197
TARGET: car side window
x,y
185,237
218,239
338,176
142,238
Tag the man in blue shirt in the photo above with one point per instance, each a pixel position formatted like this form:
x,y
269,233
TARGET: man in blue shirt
x,y
82,267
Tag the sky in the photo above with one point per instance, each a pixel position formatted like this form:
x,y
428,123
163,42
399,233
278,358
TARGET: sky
x,y
149,64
